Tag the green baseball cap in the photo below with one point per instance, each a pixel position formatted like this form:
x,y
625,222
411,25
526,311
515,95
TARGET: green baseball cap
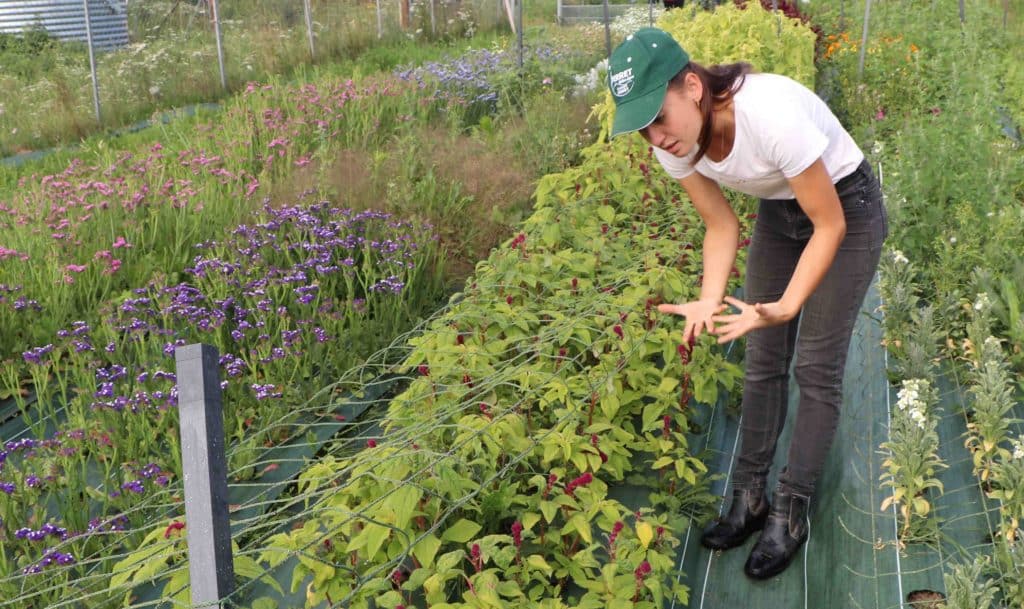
x,y
638,74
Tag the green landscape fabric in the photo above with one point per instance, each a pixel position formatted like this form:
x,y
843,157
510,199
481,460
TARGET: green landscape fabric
x,y
852,559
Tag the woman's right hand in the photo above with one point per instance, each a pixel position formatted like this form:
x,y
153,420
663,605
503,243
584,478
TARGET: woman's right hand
x,y
698,315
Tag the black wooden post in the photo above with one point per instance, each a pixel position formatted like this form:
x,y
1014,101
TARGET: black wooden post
x,y
211,566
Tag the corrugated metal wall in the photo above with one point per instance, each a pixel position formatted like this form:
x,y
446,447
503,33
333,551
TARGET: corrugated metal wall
x,y
65,19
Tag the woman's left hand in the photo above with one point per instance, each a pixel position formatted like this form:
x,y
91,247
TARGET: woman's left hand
x,y
750,317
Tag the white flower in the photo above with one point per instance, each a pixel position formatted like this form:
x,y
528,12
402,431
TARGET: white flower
x,y
1018,450
634,19
952,240
981,302
910,396
154,90
898,257
918,417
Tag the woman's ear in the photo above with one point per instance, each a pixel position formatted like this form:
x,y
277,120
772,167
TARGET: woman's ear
x,y
694,87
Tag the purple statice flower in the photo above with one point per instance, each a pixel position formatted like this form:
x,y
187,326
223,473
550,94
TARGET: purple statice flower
x,y
35,355
106,390
142,378
275,354
307,293
32,481
265,391
160,375
134,486
321,335
233,366
82,346
118,523
50,557
161,480
290,337
169,348
111,347
390,284
22,303
22,444
7,487
112,373
150,470
48,530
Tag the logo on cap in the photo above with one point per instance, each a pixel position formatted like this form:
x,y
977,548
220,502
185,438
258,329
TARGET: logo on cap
x,y
622,82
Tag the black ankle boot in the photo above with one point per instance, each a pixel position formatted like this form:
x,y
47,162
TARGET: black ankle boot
x,y
747,514
784,533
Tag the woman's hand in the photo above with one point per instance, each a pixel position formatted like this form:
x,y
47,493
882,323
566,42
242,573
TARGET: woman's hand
x,y
698,314
750,317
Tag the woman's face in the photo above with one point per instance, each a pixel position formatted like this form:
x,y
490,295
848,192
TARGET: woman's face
x,y
677,126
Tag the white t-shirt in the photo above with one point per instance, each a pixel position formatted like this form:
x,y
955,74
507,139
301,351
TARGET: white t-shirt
x,y
781,128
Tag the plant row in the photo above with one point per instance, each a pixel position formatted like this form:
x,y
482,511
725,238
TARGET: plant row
x,y
948,150
549,382
134,253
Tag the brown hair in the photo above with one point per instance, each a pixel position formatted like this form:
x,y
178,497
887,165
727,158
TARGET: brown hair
x,y
722,81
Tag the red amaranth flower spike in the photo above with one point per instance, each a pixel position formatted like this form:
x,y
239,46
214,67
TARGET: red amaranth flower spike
x,y
476,557
616,529
174,526
642,571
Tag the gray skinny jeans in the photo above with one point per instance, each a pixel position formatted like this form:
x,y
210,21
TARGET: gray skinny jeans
x,y
825,326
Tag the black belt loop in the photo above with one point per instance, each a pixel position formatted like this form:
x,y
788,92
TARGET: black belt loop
x,y
863,169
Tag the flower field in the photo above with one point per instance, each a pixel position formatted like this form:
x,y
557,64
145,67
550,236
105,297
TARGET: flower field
x,y
433,291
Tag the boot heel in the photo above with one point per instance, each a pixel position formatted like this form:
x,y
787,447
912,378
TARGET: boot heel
x,y
784,532
747,514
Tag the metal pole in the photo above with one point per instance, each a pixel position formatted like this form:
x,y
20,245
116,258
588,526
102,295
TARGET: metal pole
x,y
864,39
963,17
650,12
220,46
309,28
433,20
92,62
607,30
558,12
201,420
380,22
778,17
519,31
